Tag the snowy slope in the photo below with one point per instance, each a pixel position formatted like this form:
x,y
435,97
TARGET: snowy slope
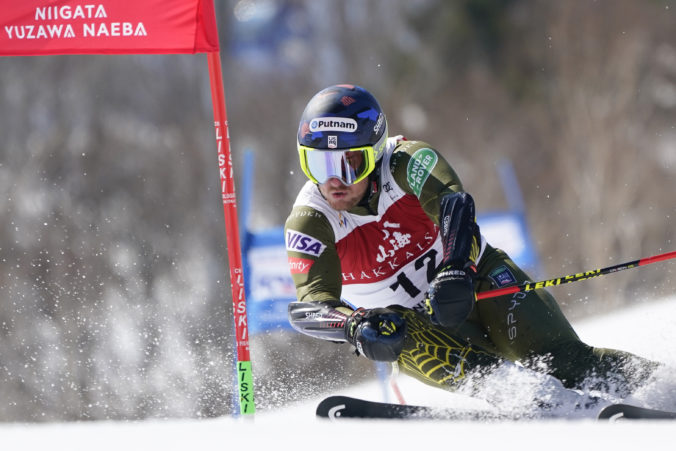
x,y
647,330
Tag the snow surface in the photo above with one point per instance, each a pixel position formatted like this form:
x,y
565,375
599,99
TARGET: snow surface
x,y
647,330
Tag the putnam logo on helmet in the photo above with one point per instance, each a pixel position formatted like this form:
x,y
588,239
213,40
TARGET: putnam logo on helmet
x,y
333,124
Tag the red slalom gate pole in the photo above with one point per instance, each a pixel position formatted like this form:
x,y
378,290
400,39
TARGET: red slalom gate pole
x,y
244,371
530,286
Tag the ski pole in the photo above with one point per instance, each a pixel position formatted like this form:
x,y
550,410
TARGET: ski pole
x,y
530,286
247,405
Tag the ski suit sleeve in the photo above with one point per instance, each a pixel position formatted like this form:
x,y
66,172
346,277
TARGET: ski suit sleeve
x,y
312,256
315,269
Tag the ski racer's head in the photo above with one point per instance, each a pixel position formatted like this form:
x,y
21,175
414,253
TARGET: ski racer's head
x,y
342,135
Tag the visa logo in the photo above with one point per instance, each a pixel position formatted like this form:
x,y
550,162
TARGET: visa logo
x,y
300,242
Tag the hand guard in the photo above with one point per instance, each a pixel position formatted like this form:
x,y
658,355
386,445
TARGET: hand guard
x,y
451,297
377,333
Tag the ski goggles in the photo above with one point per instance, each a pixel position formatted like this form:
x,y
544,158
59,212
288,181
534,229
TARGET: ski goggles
x,y
350,166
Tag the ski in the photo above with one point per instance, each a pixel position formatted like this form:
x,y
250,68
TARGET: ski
x,y
345,407
618,412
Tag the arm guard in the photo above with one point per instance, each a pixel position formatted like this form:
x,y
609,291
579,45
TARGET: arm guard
x,y
318,319
460,234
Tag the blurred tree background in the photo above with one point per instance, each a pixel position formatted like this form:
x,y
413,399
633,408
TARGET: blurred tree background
x,y
114,290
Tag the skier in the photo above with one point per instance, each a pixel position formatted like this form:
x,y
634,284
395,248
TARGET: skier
x,y
386,255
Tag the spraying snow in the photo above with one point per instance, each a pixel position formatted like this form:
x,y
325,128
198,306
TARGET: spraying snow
x,y
646,330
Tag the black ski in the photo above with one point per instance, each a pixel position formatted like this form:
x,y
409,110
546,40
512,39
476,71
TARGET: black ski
x,y
343,407
615,412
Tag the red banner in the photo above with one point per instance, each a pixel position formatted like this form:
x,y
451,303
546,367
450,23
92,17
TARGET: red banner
x,y
50,27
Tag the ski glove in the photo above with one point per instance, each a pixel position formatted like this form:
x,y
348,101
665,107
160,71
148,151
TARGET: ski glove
x,y
450,296
377,333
